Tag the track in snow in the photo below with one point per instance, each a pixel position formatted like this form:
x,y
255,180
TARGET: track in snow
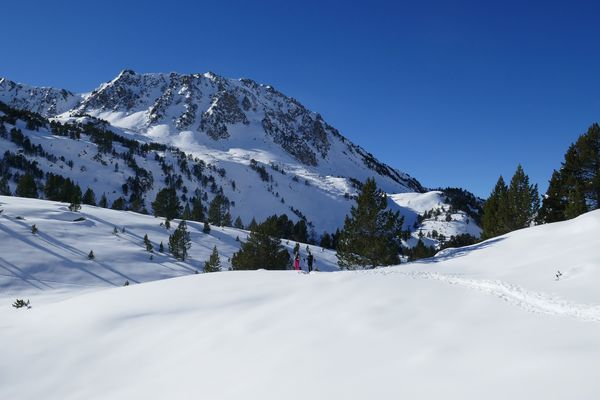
x,y
536,302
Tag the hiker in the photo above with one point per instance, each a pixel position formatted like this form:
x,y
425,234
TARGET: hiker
x,y
309,261
297,262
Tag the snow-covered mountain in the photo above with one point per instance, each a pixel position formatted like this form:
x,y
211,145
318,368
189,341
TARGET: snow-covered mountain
x,y
239,127
494,311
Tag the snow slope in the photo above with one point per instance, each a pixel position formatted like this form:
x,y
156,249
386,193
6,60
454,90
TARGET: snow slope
x,y
56,257
447,222
489,321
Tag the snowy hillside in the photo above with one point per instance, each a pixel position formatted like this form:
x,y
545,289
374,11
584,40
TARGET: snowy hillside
x,y
431,215
280,156
56,256
489,321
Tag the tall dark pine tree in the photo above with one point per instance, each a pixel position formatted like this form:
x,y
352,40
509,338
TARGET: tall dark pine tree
x,y
575,188
26,187
554,202
180,242
523,201
218,211
214,263
89,197
167,204
371,233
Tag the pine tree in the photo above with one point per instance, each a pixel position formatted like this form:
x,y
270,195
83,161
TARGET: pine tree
x,y
147,243
261,251
103,201
325,241
554,202
206,228
161,247
166,204
34,229
4,188
253,225
238,223
26,187
180,242
218,211
115,230
197,210
187,213
523,201
214,263
75,207
371,234
89,197
91,255
495,211
576,204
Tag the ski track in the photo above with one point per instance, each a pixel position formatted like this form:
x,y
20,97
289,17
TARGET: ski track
x,y
535,302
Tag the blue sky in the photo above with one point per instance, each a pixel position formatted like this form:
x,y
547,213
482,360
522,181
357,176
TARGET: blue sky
x,y
454,93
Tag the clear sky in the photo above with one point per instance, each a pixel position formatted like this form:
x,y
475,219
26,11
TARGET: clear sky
x,y
453,92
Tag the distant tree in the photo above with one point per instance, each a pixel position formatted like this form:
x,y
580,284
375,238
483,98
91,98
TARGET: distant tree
x,y
167,224
253,225
214,263
523,201
75,207
325,241
187,212
118,204
167,204
197,210
147,243
89,197
103,201
218,211
34,229
91,255
26,187
238,223
161,247
206,228
180,242
372,234
4,188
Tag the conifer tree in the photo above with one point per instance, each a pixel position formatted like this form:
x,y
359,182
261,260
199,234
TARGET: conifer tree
x,y
180,242
261,251
238,223
197,210
523,201
34,229
554,202
147,243
166,204
371,233
91,255
4,188
206,228
103,201
214,263
89,197
576,204
495,211
187,213
161,247
26,187
218,211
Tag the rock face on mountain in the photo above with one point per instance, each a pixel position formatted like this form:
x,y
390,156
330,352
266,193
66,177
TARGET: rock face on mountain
x,y
237,125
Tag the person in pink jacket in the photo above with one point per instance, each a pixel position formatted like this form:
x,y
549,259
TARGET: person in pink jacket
x,y
297,262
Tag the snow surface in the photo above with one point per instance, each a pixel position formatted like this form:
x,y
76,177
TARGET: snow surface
x,y
488,321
